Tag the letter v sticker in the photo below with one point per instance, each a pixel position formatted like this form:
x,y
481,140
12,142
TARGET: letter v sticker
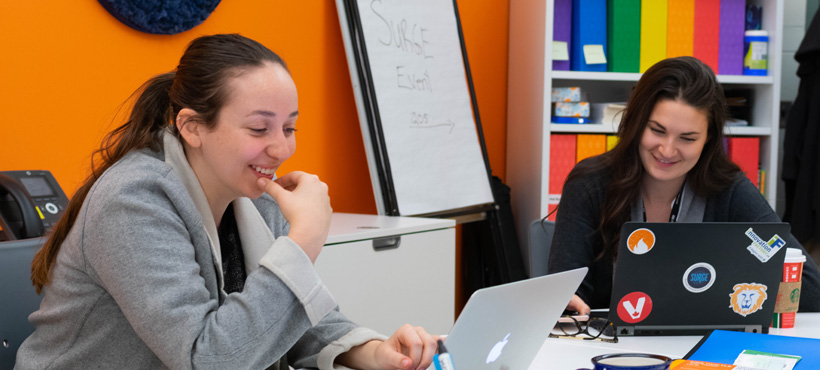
x,y
634,307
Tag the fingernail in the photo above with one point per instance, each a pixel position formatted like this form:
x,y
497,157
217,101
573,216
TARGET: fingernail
x,y
405,363
260,181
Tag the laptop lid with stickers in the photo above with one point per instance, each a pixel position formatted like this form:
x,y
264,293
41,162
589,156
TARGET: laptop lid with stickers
x,y
689,278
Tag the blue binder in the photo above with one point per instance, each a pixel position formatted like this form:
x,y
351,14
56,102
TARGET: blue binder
x,y
588,28
724,346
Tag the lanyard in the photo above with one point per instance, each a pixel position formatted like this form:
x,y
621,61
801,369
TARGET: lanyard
x,y
673,216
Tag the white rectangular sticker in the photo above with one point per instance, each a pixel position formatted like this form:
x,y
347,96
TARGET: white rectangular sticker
x,y
762,249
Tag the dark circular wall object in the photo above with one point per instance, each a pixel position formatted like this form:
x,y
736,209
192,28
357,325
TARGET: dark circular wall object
x,y
161,17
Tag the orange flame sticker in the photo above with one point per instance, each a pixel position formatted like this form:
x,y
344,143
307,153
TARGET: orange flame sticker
x,y
641,241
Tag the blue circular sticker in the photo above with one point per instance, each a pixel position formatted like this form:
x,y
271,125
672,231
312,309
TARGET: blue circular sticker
x,y
699,277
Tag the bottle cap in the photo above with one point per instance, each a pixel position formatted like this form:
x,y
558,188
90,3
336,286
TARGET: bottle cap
x,y
756,33
441,348
794,255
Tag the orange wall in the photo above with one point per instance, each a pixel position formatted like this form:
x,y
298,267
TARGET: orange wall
x,y
66,66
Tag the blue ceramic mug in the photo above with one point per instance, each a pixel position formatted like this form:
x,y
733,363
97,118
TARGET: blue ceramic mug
x,y
630,361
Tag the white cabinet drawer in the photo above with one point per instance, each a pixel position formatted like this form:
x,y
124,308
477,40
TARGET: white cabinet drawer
x,y
385,288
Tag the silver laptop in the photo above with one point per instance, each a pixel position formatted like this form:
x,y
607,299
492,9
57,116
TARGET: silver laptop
x,y
504,326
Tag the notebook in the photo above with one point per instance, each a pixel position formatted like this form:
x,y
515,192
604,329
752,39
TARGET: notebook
x,y
504,326
689,278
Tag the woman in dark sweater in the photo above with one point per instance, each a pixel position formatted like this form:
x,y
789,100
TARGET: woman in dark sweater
x,y
669,165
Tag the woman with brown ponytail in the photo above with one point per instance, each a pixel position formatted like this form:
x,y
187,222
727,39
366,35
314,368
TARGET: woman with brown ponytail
x,y
669,165
183,250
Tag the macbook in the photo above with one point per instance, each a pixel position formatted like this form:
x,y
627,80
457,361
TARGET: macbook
x,y
689,278
504,326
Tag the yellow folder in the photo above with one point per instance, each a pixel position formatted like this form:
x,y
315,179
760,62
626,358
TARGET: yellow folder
x,y
653,32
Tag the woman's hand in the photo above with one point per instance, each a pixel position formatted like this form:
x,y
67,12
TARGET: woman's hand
x,y
578,305
409,348
304,202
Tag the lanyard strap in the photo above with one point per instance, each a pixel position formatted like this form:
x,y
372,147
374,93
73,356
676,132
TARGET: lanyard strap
x,y
673,216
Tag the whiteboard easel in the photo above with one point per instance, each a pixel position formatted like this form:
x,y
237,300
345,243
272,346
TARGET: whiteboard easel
x,y
416,108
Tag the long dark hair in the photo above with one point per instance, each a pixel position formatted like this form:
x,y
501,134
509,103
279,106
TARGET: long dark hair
x,y
684,79
198,83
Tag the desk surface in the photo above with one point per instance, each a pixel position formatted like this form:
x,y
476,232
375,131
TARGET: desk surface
x,y
557,353
347,227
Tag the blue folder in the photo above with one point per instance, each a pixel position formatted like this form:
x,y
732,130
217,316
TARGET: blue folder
x,y
588,28
724,346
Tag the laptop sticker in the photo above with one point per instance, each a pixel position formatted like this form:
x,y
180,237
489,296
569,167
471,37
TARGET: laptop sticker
x,y
762,249
634,307
747,298
699,277
641,241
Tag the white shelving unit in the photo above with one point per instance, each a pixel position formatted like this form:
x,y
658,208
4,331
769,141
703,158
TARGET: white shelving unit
x,y
531,80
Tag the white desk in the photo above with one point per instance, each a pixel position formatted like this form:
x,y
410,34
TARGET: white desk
x,y
557,353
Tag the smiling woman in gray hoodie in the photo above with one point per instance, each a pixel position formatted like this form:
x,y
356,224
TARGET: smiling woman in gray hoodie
x,y
182,250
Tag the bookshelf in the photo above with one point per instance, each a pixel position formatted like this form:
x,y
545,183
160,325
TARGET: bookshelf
x,y
531,79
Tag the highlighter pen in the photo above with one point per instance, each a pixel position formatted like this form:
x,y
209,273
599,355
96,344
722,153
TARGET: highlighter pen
x,y
442,359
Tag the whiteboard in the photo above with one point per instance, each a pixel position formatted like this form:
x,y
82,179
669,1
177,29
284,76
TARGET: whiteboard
x,y
415,109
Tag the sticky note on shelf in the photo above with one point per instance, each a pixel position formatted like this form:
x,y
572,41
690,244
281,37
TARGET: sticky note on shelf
x,y
560,50
594,54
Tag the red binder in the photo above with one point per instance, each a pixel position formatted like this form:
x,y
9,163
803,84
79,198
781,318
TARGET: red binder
x,y
562,159
707,32
745,152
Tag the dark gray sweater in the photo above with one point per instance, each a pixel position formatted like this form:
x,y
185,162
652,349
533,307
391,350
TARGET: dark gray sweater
x,y
577,241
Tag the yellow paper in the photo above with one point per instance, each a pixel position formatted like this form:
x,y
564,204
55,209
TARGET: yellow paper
x,y
560,50
594,54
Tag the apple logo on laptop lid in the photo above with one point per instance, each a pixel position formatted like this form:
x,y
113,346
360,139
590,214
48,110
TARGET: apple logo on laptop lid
x,y
495,352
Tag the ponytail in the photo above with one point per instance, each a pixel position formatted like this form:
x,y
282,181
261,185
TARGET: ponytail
x,y
150,115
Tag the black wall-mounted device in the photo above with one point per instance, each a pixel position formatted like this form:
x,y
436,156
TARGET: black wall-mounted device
x,y
31,202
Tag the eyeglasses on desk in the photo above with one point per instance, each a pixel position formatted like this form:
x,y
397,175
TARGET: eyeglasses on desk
x,y
586,328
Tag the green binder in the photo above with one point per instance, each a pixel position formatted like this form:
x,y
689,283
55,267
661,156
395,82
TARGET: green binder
x,y
623,35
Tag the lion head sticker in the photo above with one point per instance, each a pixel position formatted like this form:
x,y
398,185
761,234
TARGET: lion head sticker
x,y
747,298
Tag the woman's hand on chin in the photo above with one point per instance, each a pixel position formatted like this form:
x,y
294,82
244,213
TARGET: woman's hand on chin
x,y
305,203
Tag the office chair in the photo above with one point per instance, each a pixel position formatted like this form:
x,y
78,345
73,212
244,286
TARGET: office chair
x,y
538,248
19,298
